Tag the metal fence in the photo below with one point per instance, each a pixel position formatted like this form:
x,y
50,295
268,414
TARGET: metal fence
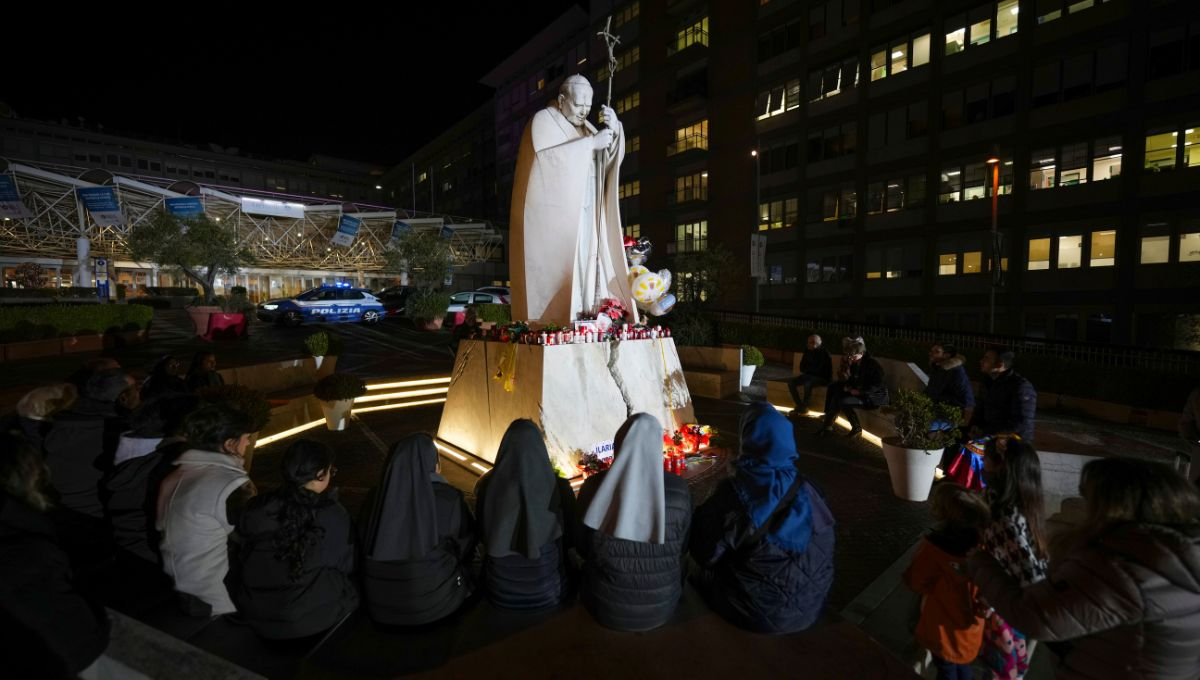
x,y
1171,361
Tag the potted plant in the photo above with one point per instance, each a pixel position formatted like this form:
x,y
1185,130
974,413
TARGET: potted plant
x,y
752,358
923,429
245,399
324,348
337,392
428,309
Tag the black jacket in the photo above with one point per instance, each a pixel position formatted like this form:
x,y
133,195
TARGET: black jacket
x,y
949,384
867,377
631,585
130,495
415,592
517,582
79,449
277,607
47,629
817,362
762,587
1006,404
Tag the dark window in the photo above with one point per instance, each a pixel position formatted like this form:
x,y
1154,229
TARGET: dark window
x,y
1046,84
1166,52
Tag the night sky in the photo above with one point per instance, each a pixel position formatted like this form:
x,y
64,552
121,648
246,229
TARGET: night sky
x,y
369,84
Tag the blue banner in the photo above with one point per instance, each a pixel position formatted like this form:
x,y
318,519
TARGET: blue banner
x,y
347,229
399,229
10,199
186,206
101,202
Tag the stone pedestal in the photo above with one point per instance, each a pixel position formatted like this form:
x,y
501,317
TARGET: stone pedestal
x,y
578,394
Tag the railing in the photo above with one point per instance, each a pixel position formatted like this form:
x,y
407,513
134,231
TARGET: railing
x,y
1117,356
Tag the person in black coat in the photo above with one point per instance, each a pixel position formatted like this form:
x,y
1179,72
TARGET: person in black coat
x,y
860,385
764,540
203,372
166,377
816,368
49,629
1007,401
295,551
418,539
526,516
636,519
948,380
130,490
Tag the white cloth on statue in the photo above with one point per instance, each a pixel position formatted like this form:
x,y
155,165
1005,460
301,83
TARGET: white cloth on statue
x,y
554,277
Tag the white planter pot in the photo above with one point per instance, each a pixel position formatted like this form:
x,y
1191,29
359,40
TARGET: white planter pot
x,y
324,365
911,470
317,361
747,375
337,413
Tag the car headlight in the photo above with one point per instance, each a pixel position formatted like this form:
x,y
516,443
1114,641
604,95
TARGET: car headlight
x,y
270,307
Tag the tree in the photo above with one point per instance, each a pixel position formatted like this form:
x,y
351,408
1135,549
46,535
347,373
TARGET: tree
x,y
713,272
424,255
199,247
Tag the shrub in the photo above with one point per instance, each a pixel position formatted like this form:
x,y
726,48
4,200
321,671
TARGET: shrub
x,y
494,313
323,344
693,329
427,306
337,386
53,321
172,291
751,356
915,413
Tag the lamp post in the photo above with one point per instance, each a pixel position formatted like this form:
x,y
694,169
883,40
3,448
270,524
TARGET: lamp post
x,y
994,261
757,219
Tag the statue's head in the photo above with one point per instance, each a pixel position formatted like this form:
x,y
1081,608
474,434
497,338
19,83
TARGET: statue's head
x,y
575,99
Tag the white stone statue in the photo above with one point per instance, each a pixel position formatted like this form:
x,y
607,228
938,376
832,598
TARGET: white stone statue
x,y
566,247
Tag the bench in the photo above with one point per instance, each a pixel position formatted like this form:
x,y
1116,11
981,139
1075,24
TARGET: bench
x,y
713,372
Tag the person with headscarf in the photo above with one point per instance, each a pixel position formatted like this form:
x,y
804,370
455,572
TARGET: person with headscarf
x,y
525,514
296,551
636,518
417,539
764,540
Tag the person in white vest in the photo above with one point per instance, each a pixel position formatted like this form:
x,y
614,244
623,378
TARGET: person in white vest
x,y
198,507
567,251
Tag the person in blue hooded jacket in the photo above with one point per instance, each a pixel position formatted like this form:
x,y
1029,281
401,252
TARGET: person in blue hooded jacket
x,y
764,540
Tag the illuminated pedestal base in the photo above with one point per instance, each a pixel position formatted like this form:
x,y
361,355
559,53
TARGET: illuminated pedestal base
x,y
578,394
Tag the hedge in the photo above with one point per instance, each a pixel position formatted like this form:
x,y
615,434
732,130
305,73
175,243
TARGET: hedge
x,y
71,293
494,313
1136,387
172,291
53,321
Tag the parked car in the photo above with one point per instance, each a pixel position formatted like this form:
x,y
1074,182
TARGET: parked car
x,y
501,292
394,299
329,304
457,310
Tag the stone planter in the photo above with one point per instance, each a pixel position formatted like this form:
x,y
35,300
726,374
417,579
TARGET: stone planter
x,y
32,348
747,375
199,316
82,343
911,470
337,413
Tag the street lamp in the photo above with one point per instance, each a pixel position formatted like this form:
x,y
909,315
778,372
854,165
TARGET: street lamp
x,y
757,219
993,160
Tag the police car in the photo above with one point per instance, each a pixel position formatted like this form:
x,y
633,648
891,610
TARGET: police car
x,y
331,304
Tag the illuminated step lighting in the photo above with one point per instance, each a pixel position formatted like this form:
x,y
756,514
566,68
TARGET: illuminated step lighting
x,y
401,395
409,383
482,468
842,422
287,433
449,451
385,407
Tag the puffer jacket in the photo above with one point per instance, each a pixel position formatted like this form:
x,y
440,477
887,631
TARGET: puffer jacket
x,y
762,586
1129,601
632,585
1006,404
949,384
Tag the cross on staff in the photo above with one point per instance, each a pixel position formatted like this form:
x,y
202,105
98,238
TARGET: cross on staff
x,y
610,41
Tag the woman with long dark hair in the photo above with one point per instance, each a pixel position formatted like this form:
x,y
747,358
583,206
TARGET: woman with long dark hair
x,y
1127,593
526,516
418,539
296,550
1016,538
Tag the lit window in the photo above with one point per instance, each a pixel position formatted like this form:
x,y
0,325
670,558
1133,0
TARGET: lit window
x,y
1074,165
972,262
874,275
1070,252
1189,247
1160,151
1156,249
1039,253
956,38
633,230
1191,145
920,50
981,31
1042,169
947,264
1006,17
1104,249
1106,159
878,65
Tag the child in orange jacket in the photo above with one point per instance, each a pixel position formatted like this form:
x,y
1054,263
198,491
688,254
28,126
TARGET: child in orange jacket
x,y
951,623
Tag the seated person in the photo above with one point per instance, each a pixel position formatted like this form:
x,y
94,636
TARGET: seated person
x,y
860,385
816,369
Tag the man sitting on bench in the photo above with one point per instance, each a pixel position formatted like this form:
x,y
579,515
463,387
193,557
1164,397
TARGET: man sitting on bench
x,y
816,369
860,385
